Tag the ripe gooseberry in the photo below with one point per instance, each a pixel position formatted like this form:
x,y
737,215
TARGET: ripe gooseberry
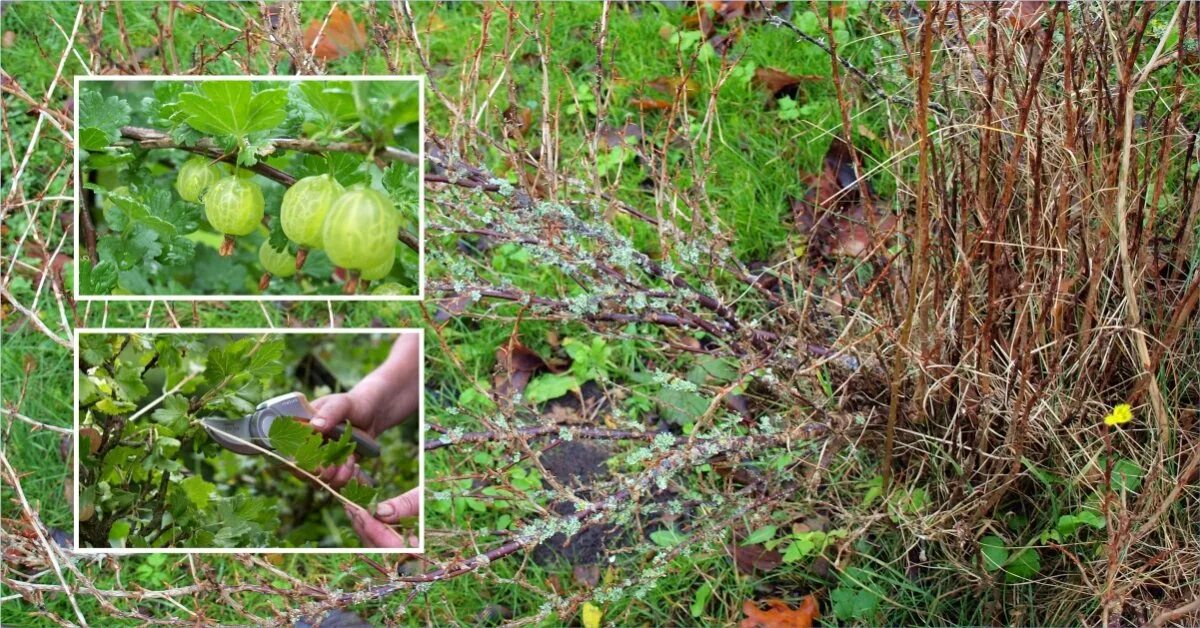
x,y
234,206
194,177
276,263
303,210
360,231
378,272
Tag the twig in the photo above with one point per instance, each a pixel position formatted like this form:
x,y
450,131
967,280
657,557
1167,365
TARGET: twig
x,y
51,552
38,425
777,20
597,433
151,139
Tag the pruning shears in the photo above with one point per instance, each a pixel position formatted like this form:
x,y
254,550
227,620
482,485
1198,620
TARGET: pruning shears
x,y
237,434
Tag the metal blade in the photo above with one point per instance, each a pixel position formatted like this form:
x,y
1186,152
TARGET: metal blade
x,y
292,404
227,432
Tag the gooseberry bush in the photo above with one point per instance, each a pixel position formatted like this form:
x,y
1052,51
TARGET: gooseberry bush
x,y
228,187
150,476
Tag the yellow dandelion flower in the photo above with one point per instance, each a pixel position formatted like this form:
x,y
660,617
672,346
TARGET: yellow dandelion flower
x,y
1121,413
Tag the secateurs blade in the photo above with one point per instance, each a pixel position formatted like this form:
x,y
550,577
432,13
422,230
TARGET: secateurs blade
x,y
250,434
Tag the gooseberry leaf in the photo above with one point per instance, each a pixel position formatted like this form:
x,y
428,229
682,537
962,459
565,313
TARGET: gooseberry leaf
x,y
232,108
98,279
297,441
198,491
359,493
336,452
100,120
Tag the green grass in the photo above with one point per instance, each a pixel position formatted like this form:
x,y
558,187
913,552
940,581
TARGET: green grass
x,y
46,398
916,571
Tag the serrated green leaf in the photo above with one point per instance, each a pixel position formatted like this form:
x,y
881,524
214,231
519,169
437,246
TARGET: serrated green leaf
x,y
231,108
298,441
265,361
113,407
244,359
336,452
98,279
172,412
198,491
330,100
359,493
100,120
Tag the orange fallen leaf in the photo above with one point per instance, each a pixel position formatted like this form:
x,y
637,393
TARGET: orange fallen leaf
x,y
340,36
670,85
780,615
649,104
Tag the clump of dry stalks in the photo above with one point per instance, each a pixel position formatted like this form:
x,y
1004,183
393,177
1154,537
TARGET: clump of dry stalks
x,y
1038,265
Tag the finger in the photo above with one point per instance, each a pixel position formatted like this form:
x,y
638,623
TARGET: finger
x,y
331,410
374,533
406,505
343,474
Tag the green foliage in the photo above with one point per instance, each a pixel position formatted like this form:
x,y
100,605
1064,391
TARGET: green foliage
x,y
157,479
234,112
306,446
100,120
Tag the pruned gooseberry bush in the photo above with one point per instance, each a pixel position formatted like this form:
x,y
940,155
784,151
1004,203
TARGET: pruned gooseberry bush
x,y
150,475
186,182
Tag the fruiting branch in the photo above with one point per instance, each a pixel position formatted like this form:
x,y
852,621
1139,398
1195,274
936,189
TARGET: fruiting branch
x,y
152,138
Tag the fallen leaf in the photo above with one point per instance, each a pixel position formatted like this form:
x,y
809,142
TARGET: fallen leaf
x,y
587,576
754,559
610,137
780,83
780,615
649,104
591,615
517,120
340,35
91,436
670,85
451,307
839,213
516,364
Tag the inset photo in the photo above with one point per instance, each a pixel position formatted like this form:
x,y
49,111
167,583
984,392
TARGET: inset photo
x,y
248,440
248,188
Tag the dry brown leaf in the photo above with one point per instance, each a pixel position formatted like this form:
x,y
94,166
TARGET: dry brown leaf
x,y
780,615
649,104
340,36
754,559
516,364
586,576
839,213
670,85
780,83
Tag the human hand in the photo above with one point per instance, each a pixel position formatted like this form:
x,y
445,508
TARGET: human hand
x,y
334,410
375,531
